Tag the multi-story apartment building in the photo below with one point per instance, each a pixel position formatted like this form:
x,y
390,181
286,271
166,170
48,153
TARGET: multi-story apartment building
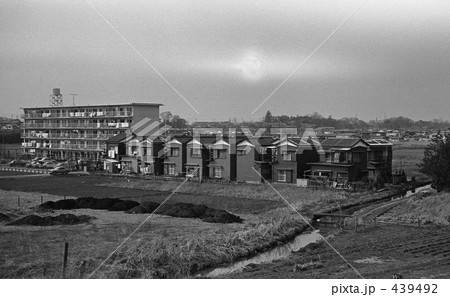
x,y
76,132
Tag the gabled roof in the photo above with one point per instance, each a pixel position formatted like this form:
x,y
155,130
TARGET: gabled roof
x,y
245,142
117,138
219,144
378,142
343,142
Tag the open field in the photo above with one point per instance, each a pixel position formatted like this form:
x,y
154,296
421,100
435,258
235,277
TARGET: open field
x,y
163,247
406,156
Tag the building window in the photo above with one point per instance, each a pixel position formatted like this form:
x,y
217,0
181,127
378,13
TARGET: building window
x,y
196,153
287,156
174,151
241,152
282,175
192,171
171,169
217,172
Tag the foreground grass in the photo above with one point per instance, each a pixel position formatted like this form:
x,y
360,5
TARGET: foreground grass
x,y
434,209
184,256
163,247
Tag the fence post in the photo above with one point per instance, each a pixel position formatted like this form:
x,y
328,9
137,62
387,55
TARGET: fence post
x,y
66,250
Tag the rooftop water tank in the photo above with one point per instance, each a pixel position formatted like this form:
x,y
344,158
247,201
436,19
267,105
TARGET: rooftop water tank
x,y
56,92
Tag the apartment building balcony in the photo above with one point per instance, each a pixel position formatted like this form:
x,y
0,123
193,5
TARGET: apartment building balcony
x,y
78,115
74,136
76,147
77,126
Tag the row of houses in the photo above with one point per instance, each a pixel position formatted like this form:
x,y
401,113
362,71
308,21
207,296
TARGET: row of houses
x,y
251,159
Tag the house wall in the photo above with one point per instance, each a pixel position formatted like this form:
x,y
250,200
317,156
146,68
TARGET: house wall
x,y
307,156
283,164
177,160
245,165
201,161
360,166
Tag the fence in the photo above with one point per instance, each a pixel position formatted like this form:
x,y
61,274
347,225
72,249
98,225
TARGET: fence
x,y
21,169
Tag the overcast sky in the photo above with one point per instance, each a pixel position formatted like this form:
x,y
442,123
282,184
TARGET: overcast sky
x,y
225,57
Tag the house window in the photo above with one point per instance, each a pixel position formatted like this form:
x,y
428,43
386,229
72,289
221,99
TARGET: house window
x,y
193,170
217,172
287,156
196,153
282,175
174,151
171,169
219,154
134,150
241,152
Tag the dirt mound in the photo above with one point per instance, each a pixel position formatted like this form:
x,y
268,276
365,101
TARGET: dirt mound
x,y
63,219
146,207
60,204
124,205
112,204
4,218
183,210
220,216
187,210
32,220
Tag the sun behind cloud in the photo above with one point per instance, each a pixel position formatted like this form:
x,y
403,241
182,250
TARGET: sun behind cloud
x,y
250,66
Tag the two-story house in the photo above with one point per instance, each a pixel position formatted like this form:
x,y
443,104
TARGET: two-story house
x,y
222,161
254,155
293,158
175,156
342,160
140,155
198,156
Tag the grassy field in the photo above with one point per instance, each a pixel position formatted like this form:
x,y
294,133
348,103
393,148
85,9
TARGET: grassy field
x,y
163,247
406,156
434,209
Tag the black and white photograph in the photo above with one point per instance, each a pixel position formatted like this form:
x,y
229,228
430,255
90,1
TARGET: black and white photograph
x,y
209,140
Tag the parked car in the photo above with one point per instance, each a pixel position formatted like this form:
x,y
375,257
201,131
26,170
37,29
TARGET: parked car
x,y
35,164
17,162
49,164
36,159
45,159
59,170
3,161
